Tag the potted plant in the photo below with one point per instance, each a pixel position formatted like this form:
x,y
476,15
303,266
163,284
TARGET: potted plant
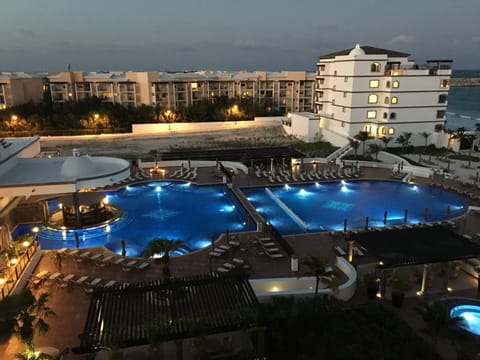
x,y
399,288
372,282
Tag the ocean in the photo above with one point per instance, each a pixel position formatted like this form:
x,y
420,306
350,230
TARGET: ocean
x,y
463,108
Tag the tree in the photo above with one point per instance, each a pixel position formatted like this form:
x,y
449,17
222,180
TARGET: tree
x,y
363,137
425,136
22,315
386,140
436,318
318,267
354,143
404,140
374,149
160,249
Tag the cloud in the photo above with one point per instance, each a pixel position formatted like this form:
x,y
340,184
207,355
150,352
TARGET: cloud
x,y
402,39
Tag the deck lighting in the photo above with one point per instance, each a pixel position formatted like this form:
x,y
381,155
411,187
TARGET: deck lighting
x,y
26,243
13,261
2,281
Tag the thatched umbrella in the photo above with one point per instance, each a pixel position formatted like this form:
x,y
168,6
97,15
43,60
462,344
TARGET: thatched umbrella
x,y
77,241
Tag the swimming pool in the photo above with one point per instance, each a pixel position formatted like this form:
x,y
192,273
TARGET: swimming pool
x,y
301,208
469,315
194,213
172,210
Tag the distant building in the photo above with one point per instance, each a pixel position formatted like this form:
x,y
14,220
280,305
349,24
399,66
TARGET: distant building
x,y
285,91
18,88
382,92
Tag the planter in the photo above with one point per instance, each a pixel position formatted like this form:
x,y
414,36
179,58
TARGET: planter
x,y
397,298
372,292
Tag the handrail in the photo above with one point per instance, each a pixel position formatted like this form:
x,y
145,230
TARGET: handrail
x,y
14,272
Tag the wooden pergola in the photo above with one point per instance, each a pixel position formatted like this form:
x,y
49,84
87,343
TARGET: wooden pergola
x,y
132,315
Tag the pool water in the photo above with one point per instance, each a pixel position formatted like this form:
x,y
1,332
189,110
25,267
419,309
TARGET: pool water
x,y
470,317
301,208
171,210
196,213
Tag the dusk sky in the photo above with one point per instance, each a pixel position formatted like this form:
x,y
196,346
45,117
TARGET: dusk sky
x,y
267,35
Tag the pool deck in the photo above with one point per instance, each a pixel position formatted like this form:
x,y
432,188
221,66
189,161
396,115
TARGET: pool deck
x,y
71,302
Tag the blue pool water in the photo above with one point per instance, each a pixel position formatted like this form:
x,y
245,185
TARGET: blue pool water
x,y
192,213
324,206
470,317
172,210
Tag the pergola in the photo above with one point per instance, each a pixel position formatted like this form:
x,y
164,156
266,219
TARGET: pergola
x,y
131,315
417,245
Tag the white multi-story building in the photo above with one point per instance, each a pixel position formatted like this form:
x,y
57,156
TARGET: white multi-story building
x,y
382,92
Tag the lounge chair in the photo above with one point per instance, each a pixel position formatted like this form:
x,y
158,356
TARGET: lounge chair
x,y
110,283
80,280
142,266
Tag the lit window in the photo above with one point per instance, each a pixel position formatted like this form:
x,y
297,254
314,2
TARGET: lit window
x,y
393,116
375,67
396,84
444,84
371,114
372,99
394,100
374,83
194,86
386,100
391,131
383,130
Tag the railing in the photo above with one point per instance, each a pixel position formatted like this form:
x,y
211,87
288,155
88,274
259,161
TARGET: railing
x,y
280,239
13,273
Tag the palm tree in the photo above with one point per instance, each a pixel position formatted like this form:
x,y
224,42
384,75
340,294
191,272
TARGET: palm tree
x,y
404,140
354,143
363,137
318,267
386,140
163,248
374,149
425,136
22,315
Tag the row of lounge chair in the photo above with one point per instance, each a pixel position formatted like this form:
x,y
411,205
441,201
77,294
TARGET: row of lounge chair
x,y
311,175
101,259
65,280
269,248
185,174
235,263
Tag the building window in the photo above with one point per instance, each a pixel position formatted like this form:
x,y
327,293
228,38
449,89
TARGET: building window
x,y
396,84
374,83
344,109
393,116
344,94
372,99
371,114
387,84
386,100
320,95
382,131
335,73
321,67
442,99
444,84
343,123
385,115
345,79
333,101
334,87
440,114
391,131
194,86
375,67
321,81
394,100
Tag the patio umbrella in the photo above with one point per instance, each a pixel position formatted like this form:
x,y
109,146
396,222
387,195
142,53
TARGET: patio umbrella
x,y
366,223
344,225
425,214
385,214
448,212
405,216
